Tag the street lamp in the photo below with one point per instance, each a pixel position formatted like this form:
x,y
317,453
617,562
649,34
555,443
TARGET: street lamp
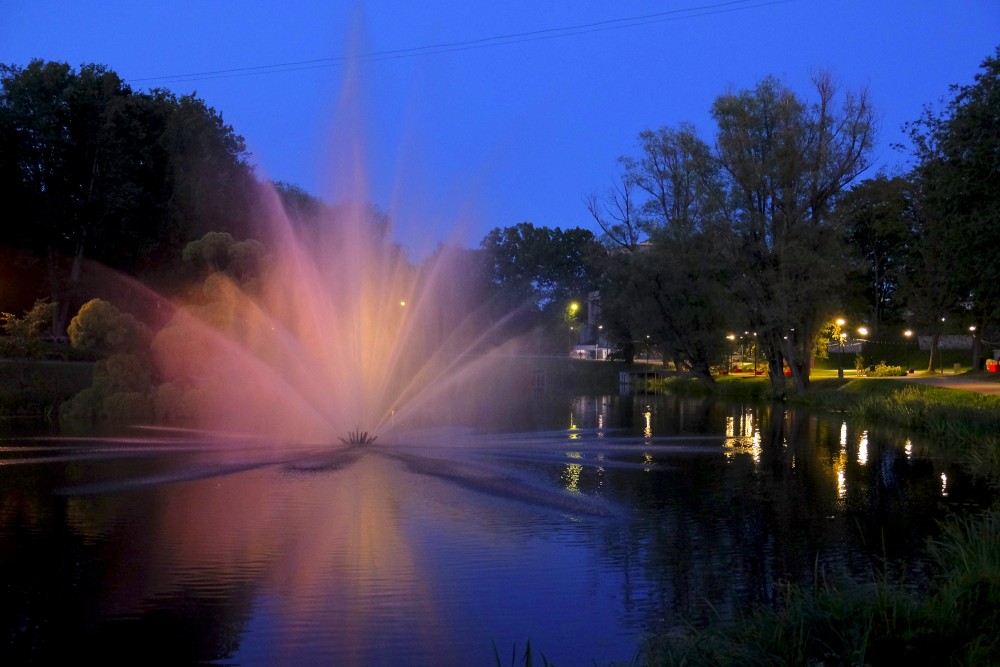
x,y
909,350
975,346
570,318
840,356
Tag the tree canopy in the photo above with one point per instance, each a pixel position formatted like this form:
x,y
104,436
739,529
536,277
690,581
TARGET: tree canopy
x,y
94,171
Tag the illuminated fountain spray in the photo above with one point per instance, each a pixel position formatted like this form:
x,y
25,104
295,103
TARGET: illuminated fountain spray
x,y
340,338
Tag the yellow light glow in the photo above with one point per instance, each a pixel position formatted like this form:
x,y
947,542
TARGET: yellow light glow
x,y
863,448
571,475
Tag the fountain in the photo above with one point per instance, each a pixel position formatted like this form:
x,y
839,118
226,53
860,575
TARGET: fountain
x,y
339,339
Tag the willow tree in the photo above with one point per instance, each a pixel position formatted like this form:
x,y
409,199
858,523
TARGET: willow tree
x,y
787,160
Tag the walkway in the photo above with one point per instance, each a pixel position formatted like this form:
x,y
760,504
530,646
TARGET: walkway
x,y
967,382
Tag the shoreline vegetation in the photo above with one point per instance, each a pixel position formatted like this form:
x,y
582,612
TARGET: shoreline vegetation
x,y
886,620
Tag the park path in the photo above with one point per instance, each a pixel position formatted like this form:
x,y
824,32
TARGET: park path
x,y
967,382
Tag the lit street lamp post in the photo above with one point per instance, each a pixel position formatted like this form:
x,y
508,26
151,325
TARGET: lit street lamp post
x,y
909,351
840,356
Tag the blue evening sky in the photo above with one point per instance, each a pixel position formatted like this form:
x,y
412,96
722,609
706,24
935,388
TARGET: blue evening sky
x,y
484,115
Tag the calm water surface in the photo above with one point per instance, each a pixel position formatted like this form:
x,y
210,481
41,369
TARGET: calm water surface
x,y
580,523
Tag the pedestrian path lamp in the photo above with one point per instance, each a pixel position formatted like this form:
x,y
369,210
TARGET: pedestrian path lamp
x,y
909,351
840,355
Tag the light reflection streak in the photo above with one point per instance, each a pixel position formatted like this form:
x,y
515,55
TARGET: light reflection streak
x,y
908,448
647,431
573,428
840,465
742,437
944,485
863,448
571,475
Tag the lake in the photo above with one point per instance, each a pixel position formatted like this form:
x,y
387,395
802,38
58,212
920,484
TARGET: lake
x,y
580,523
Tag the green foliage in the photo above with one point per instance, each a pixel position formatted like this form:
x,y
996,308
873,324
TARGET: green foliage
x,y
92,170
959,157
24,334
126,407
540,265
881,371
33,324
83,408
788,160
35,388
121,392
100,327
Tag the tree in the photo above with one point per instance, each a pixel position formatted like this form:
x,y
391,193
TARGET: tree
x,y
94,172
535,272
682,181
539,266
787,161
879,219
671,289
959,159
617,214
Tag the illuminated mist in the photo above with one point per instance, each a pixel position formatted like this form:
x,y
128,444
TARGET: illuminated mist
x,y
340,335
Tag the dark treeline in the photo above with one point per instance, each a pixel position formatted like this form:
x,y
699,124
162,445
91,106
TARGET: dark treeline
x,y
773,226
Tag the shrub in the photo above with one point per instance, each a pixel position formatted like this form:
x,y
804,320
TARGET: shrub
x,y
100,327
881,371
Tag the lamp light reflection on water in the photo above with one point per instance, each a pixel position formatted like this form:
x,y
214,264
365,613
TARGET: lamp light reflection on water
x,y
573,428
863,448
742,437
908,448
944,485
571,475
840,464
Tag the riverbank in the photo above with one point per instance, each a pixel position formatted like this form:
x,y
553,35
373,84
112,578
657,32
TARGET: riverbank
x,y
885,620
